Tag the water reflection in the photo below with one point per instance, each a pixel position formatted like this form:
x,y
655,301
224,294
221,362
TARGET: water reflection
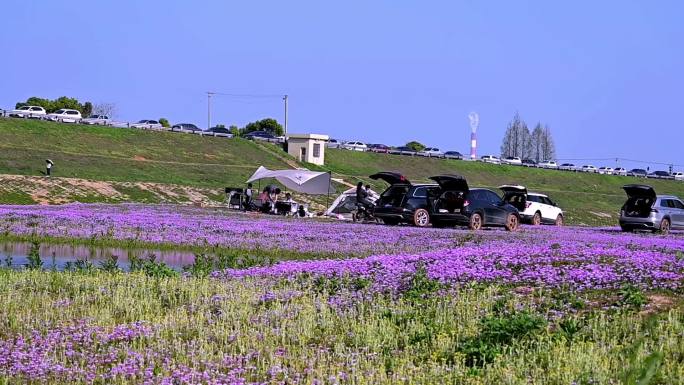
x,y
57,255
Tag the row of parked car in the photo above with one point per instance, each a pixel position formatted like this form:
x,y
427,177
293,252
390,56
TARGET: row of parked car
x,y
382,148
449,201
605,170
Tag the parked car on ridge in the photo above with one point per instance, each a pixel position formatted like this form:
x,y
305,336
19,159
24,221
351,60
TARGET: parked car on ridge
x,y
648,211
147,123
36,112
185,126
589,168
453,155
660,175
64,115
431,152
259,135
490,159
403,150
333,143
221,130
605,170
512,160
678,175
529,163
101,120
567,167
354,146
534,208
620,171
548,164
638,172
377,147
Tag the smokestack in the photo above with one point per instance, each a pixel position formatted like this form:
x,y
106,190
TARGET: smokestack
x,y
474,124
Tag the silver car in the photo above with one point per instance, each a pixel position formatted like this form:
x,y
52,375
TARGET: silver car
x,y
648,211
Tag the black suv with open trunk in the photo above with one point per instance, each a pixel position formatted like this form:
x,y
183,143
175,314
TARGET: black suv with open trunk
x,y
448,202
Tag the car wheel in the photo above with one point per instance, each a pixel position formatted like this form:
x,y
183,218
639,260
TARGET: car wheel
x,y
664,226
536,219
559,220
512,222
475,222
421,218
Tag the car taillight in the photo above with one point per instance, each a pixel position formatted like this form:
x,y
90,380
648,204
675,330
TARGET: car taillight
x,y
465,203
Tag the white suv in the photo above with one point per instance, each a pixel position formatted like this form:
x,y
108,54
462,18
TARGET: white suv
x,y
354,146
534,208
514,160
64,115
27,112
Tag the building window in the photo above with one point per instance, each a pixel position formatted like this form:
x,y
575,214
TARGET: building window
x,y
317,150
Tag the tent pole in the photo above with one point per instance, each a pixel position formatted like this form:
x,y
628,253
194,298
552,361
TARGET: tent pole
x,y
327,199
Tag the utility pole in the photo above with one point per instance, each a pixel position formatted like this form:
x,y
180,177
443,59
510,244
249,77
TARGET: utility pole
x,y
209,95
285,99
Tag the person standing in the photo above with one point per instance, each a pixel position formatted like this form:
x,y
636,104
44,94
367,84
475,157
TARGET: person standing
x,y
48,166
248,196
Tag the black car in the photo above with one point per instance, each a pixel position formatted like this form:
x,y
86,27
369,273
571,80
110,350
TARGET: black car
x,y
529,163
400,202
450,202
219,130
637,172
185,126
660,175
258,135
459,205
453,155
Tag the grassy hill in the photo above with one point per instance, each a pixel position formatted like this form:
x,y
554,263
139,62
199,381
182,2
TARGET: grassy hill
x,y
128,159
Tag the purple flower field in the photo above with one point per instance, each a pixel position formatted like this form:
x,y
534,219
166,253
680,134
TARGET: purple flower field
x,y
380,305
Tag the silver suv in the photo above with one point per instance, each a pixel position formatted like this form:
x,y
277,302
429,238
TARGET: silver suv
x,y
646,210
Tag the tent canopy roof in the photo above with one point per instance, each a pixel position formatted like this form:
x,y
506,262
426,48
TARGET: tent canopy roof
x,y
303,181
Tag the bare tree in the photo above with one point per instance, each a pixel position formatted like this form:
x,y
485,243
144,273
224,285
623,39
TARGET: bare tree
x,y
108,109
548,147
516,141
536,143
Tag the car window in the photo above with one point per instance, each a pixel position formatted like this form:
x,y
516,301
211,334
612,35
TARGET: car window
x,y
678,204
665,203
59,112
533,198
72,112
547,201
153,122
36,109
420,192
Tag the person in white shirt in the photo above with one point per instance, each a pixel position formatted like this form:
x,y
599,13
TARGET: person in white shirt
x,y
48,167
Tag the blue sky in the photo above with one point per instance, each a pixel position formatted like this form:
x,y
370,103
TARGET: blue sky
x,y
606,76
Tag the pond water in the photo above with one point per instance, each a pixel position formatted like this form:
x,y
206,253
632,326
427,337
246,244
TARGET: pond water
x,y
14,254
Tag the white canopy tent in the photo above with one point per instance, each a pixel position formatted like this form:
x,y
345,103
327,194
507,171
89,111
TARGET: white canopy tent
x,y
303,181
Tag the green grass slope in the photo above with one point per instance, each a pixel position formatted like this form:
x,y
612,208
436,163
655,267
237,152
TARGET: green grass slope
x,y
129,155
119,154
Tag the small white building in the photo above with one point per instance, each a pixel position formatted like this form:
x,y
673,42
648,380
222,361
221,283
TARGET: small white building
x,y
308,148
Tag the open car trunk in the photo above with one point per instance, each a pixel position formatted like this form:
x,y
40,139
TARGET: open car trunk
x,y
640,200
450,197
395,193
515,195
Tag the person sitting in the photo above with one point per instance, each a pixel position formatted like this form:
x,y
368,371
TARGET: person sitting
x,y
265,198
362,195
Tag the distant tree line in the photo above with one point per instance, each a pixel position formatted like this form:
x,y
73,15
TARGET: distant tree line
x,y
518,141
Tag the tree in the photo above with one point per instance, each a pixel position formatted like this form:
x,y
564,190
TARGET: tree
x,y
536,143
516,141
67,102
548,147
87,109
164,122
415,146
269,125
234,130
108,109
